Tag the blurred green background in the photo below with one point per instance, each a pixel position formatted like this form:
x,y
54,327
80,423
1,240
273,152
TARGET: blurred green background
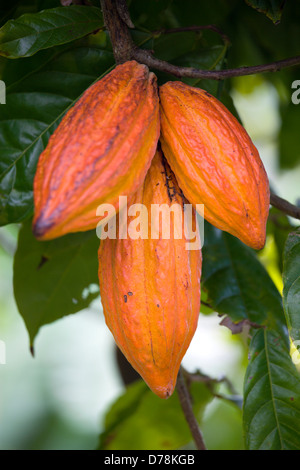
x,y
59,398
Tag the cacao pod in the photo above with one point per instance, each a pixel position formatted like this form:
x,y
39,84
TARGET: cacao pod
x,y
102,148
150,288
215,161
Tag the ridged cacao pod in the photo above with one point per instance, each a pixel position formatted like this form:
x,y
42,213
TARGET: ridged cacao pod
x,y
215,162
102,148
150,288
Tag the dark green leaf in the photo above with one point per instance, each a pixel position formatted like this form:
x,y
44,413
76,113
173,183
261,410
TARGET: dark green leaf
x,y
289,149
291,283
211,58
207,58
271,8
237,283
54,278
272,395
40,90
279,227
31,33
139,420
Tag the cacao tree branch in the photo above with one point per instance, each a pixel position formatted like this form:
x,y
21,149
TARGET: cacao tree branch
x,y
124,13
125,49
122,43
285,206
186,405
147,58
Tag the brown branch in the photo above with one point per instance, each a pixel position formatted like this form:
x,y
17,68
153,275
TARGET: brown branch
x,y
186,405
147,58
237,328
122,43
285,206
124,13
198,376
206,304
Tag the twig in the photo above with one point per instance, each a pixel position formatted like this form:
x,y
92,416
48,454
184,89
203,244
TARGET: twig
x,y
206,304
237,328
211,382
147,58
186,405
285,206
198,376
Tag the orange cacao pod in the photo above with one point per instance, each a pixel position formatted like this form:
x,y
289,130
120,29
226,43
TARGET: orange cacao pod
x,y
215,162
150,288
102,148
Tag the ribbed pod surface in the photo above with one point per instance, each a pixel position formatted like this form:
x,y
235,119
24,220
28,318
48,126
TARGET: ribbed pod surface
x,y
102,148
150,288
215,161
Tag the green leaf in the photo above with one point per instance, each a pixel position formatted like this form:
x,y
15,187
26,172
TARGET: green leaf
x,y
271,411
40,90
31,33
223,429
271,8
291,283
237,283
139,420
289,149
279,227
208,58
191,53
54,278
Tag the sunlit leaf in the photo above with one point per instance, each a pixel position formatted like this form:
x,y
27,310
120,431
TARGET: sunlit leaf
x,y
140,420
291,283
289,149
271,395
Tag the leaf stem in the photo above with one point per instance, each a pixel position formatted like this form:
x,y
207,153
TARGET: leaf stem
x,y
285,206
186,405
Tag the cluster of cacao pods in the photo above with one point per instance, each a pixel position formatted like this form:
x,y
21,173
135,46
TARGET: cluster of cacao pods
x,y
124,137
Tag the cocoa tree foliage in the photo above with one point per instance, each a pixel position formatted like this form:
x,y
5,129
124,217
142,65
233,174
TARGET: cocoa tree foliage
x,y
49,55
